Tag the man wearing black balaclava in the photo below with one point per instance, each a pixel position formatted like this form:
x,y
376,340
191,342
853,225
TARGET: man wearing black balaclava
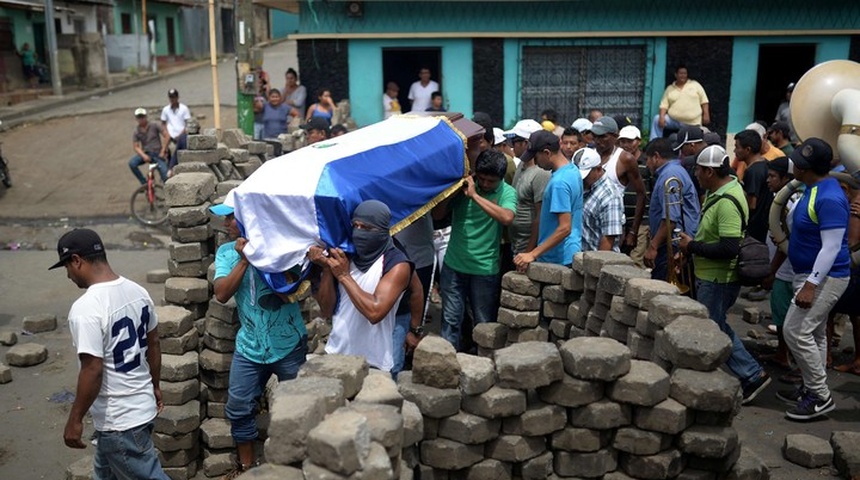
x,y
361,292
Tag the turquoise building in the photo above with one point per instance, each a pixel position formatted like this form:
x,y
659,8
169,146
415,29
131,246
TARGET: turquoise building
x,y
514,59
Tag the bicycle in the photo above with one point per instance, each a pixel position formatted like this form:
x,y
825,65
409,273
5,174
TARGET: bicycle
x,y
148,203
5,178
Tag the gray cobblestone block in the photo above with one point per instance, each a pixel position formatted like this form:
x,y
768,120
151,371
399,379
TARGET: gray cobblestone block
x,y
186,472
693,474
645,327
413,424
613,278
328,390
212,343
158,275
591,284
215,394
665,309
239,155
477,375
180,345
749,467
235,138
645,384
218,410
178,393
591,465
192,269
5,374
350,369
550,273
538,468
223,188
496,402
189,189
188,252
197,233
183,291
571,392
173,320
595,358
721,465
215,361
218,329
490,335
714,391
666,464
640,442
520,335
450,455
178,419
709,441
179,458
554,310
576,332
379,388
601,415
538,419
433,402
518,319
202,142
486,469
178,368
209,157
617,475
378,464
520,283
560,328
8,338
805,450
215,433
213,379
385,424
81,469
694,343
846,456
217,463
528,365
575,314
515,448
621,312
341,442
43,322
431,428
256,148
594,262
594,323
715,419
572,282
226,312
170,443
580,439
557,294
470,429
578,264
641,347
292,418
435,363
251,166
603,298
488,352
615,330
522,303
586,301
191,167
668,417
26,355
640,291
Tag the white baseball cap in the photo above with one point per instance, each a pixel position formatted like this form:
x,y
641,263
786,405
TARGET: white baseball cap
x,y
714,156
524,128
498,136
630,132
581,125
140,111
587,159
756,127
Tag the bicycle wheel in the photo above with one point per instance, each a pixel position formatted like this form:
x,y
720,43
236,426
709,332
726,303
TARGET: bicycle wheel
x,y
4,173
147,213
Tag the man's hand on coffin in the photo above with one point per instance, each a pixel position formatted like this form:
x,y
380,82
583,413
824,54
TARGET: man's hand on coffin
x,y
469,187
240,245
338,262
317,255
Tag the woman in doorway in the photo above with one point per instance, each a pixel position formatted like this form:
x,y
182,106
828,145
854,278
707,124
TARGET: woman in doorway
x,y
324,108
28,59
295,95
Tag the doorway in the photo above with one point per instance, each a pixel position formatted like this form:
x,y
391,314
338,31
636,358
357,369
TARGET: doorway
x,y
171,36
227,32
779,65
401,66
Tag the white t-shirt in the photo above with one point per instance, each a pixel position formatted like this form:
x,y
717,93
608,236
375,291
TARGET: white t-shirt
x,y
110,321
420,95
390,105
175,119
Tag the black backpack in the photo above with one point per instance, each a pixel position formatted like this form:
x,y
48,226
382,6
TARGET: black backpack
x,y
753,264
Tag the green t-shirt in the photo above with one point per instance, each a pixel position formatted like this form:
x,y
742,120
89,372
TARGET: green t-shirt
x,y
720,219
475,236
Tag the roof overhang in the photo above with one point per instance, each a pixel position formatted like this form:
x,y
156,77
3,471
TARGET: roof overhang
x,y
291,6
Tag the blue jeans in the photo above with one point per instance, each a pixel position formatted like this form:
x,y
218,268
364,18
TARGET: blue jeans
x,y
657,132
181,144
403,320
248,381
136,161
127,455
482,292
718,298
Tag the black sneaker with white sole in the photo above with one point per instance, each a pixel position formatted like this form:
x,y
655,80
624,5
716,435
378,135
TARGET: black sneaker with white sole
x,y
811,406
791,397
753,389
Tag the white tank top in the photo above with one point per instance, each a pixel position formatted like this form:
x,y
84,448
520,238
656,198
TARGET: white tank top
x,y
611,167
353,334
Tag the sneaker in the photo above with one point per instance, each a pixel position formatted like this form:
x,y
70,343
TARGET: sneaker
x,y
810,406
753,389
791,397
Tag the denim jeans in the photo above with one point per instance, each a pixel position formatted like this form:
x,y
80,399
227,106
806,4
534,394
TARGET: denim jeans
x,y
657,132
136,161
127,455
718,298
248,381
181,144
402,322
482,292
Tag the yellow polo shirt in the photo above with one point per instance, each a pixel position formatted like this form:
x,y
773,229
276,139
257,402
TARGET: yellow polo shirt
x,y
685,104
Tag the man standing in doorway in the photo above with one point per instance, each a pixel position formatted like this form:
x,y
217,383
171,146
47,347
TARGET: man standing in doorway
x,y
684,102
175,117
421,92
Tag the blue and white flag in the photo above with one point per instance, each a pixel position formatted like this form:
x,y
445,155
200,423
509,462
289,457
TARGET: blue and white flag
x,y
307,197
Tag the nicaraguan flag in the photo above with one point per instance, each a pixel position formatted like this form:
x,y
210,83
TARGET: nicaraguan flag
x,y
307,197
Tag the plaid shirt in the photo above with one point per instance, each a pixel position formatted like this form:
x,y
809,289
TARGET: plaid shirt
x,y
602,214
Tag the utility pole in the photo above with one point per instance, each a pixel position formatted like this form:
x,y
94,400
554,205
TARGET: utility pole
x,y
213,62
56,82
246,64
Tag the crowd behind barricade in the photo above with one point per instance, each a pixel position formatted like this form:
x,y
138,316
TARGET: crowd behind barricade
x,y
681,205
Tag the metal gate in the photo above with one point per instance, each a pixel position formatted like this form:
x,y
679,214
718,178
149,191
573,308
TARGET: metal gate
x,y
574,80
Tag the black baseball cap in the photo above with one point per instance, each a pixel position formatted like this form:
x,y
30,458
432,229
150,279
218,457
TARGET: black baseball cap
x,y
811,153
689,134
780,126
173,92
80,241
316,123
538,141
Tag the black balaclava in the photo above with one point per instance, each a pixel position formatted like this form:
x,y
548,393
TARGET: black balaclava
x,y
371,244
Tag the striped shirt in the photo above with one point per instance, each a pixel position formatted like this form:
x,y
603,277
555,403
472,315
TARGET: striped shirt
x,y
602,214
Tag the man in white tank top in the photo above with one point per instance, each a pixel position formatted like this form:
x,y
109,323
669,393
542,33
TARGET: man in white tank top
x,y
115,334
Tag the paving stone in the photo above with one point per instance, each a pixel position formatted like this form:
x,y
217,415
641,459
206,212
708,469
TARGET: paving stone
x,y
169,443
645,384
546,272
186,472
601,415
43,322
538,468
26,355
199,233
846,455
708,441
522,303
178,368
491,335
666,464
640,291
341,442
349,369
435,363
575,314
613,278
226,312
557,293
559,328
8,338
212,394
477,375
215,361
571,392
694,343
617,475
595,358
217,410
518,319
593,464
622,312
714,391
805,450
693,474
573,281
433,402
515,448
594,262
183,344
640,442
5,374
615,330
591,284
580,439
379,388
209,157
192,269
716,419
668,416
293,416
641,347
521,335
748,467
578,264
538,419
528,365
520,283
179,458
215,433
188,189
183,291
178,419
468,428
191,167
431,428
593,323
329,390
187,252
486,469
664,309
179,393
496,402
721,465
218,464
555,310
218,329
450,455
385,424
81,469
413,423
202,142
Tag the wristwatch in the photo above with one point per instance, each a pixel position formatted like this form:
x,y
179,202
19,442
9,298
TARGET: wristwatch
x,y
417,331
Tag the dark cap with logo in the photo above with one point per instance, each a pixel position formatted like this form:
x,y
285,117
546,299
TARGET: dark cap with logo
x,y
813,152
172,93
80,241
538,141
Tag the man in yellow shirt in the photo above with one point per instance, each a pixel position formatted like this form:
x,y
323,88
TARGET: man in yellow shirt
x,y
684,102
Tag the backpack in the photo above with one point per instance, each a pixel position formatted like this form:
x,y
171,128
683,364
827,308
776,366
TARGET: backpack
x,y
753,264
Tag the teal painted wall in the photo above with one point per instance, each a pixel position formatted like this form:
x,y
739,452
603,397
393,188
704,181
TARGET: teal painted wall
x,y
283,23
366,82
744,70
153,9
22,27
